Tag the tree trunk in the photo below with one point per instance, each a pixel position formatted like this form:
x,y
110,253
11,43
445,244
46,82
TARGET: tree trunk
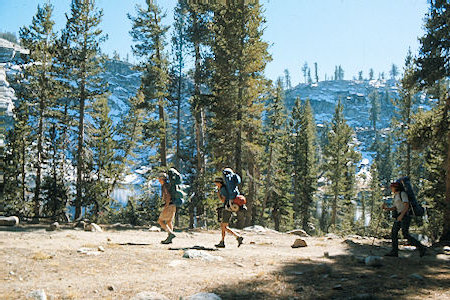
x,y
446,226
80,162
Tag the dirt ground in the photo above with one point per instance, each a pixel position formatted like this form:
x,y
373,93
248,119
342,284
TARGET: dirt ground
x,y
264,267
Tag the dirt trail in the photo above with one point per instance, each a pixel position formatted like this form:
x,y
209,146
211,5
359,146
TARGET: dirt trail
x,y
265,267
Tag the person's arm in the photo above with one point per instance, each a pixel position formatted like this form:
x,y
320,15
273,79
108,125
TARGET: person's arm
x,y
405,206
221,197
385,207
166,195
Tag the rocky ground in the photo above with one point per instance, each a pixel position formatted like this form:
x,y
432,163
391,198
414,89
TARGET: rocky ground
x,y
122,264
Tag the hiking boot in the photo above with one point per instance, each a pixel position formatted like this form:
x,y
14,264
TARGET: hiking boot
x,y
171,237
167,241
220,245
422,251
392,254
240,239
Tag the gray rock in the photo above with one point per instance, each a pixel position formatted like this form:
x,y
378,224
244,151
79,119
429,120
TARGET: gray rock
x,y
299,243
111,287
9,221
374,261
203,296
37,295
199,254
416,276
149,296
54,226
337,287
93,227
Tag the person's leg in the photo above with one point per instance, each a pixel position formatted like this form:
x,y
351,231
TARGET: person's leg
x,y
405,231
394,238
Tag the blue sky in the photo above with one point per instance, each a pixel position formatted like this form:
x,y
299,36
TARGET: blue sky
x,y
356,34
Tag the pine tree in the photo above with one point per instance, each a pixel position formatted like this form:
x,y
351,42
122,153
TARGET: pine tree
x,y
198,39
287,79
340,159
149,35
371,74
238,86
304,161
41,85
375,199
277,176
385,160
305,71
431,66
360,75
179,49
80,43
374,114
393,72
316,76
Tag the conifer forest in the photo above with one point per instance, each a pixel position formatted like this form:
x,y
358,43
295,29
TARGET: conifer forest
x,y
202,103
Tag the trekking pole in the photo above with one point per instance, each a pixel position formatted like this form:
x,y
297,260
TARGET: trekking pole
x,y
378,225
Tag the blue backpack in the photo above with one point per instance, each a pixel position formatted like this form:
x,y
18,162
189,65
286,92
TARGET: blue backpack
x,y
175,187
416,208
232,180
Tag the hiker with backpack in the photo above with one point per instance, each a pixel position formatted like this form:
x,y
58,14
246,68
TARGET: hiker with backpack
x,y
227,191
168,213
401,213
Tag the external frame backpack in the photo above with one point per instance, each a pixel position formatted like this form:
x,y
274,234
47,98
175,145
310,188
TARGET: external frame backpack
x,y
416,208
175,187
232,180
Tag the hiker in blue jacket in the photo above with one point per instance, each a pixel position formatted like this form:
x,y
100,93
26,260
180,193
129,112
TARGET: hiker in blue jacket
x,y
402,220
226,213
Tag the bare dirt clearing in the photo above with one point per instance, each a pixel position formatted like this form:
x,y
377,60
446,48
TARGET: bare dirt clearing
x,y
265,267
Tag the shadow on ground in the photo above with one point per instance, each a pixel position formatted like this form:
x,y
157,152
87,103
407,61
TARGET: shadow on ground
x,y
347,277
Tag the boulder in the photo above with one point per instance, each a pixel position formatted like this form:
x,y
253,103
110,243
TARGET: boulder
x,y
149,296
299,232
9,221
299,243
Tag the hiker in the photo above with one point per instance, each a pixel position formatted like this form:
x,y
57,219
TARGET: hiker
x,y
168,212
402,220
225,213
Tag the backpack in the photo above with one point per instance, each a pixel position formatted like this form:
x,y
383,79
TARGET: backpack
x,y
175,187
231,180
416,208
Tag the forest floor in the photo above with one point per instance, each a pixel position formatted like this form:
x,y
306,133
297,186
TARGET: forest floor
x,y
119,264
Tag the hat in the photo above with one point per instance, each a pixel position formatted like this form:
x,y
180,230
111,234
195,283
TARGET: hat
x,y
219,180
395,184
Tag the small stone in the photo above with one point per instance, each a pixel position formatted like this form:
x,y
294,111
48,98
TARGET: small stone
x,y
111,288
37,295
337,287
11,273
393,276
257,264
101,249
239,264
326,254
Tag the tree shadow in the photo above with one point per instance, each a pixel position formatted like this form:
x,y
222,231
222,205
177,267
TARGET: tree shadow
x,y
348,277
